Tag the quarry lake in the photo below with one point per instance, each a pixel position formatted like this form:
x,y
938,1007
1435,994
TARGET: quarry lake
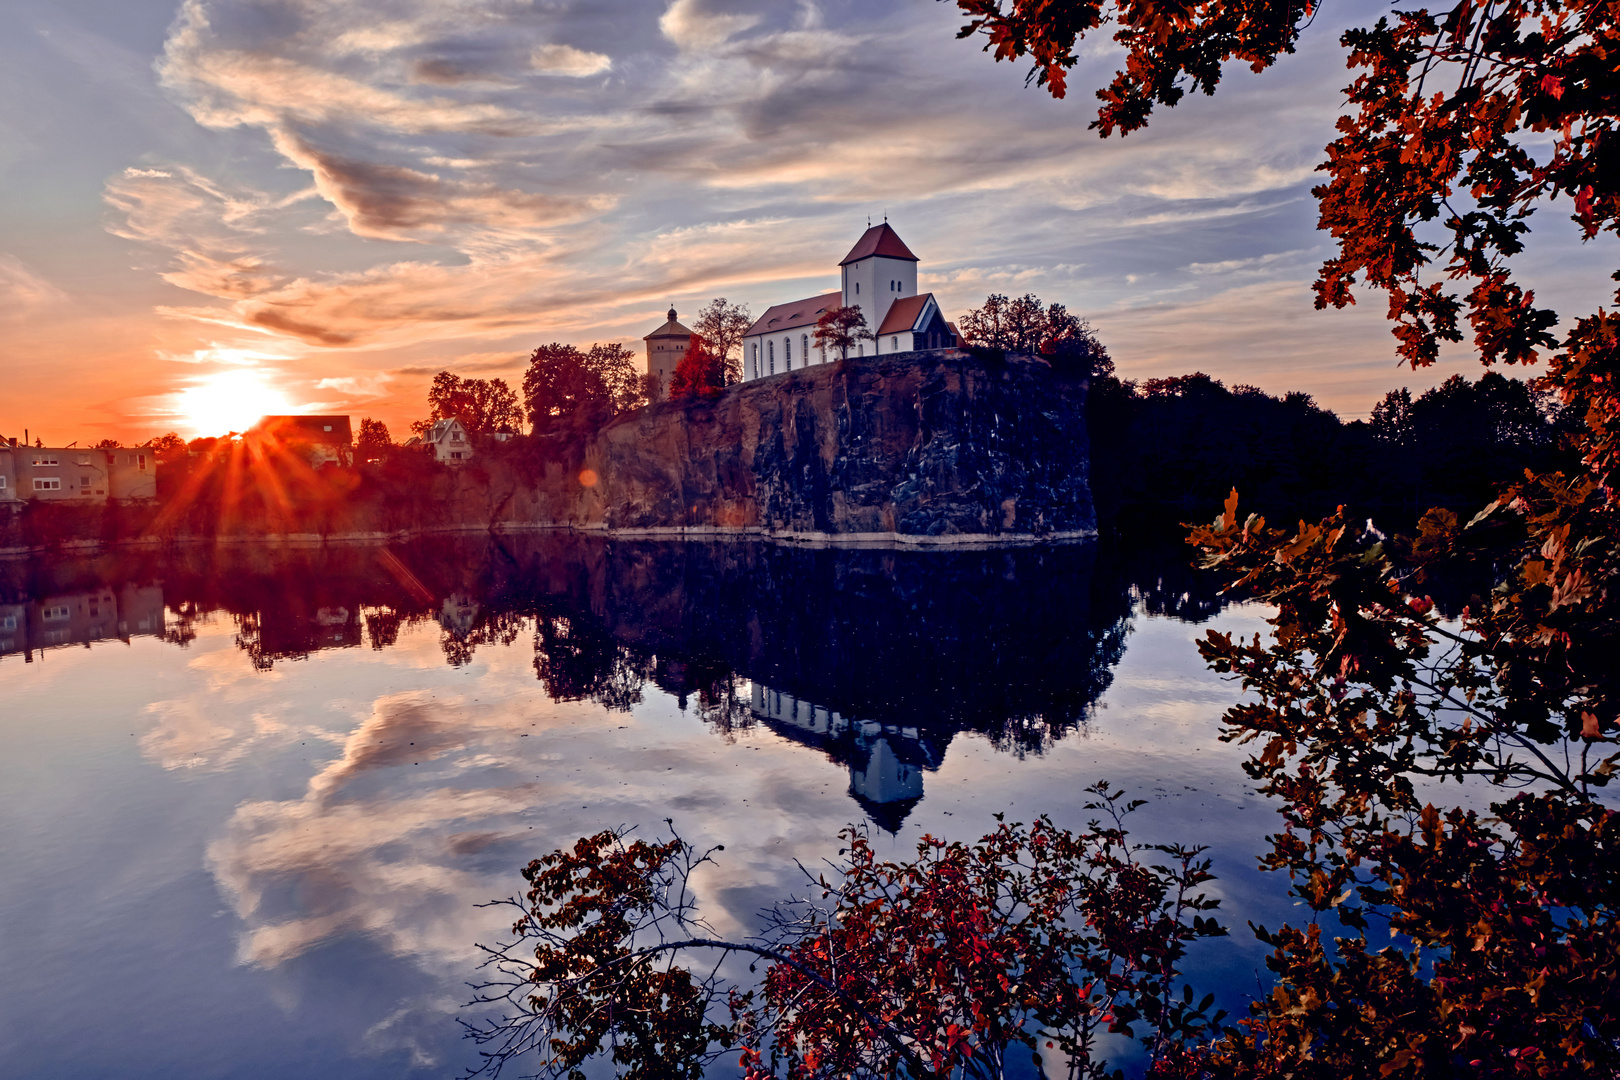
x,y
251,796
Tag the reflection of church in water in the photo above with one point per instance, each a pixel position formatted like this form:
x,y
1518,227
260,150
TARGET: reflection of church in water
x,y
886,761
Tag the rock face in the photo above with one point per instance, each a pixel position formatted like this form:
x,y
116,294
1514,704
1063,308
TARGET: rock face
x,y
912,446
921,448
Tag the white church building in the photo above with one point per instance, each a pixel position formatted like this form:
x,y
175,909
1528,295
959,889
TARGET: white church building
x,y
879,275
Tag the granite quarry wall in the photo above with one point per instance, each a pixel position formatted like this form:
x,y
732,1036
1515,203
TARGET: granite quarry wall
x,y
911,446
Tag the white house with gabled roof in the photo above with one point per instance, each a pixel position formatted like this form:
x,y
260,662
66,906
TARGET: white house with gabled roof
x,y
879,275
449,441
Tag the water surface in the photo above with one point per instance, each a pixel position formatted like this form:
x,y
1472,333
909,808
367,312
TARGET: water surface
x,y
250,797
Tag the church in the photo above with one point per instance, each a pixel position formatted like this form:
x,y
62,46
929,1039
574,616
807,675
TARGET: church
x,y
879,276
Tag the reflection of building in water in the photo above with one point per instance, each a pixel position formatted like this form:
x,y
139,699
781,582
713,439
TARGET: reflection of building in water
x,y
291,631
886,761
458,614
80,618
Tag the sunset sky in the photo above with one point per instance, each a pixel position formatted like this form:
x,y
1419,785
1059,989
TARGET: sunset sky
x,y
226,207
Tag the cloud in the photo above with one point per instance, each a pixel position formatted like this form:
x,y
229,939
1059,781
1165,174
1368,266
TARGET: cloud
x,y
398,203
567,60
212,233
717,147
23,292
357,386
700,25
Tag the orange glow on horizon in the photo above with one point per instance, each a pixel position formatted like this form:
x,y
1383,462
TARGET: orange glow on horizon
x,y
228,401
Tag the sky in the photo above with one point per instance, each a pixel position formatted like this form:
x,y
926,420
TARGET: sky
x,y
219,208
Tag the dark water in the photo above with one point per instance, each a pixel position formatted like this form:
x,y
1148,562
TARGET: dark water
x,y
249,797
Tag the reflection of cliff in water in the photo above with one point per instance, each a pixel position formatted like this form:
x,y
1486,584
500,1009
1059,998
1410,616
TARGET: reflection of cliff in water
x,y
894,651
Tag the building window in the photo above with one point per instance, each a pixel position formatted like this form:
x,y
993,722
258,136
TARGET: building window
x,y
39,460
2,483
894,343
857,288
84,459
770,356
47,484
142,459
328,427
56,613
84,482
804,347
8,623
787,353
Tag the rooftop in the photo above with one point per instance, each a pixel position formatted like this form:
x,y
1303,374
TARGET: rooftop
x,y
879,240
795,313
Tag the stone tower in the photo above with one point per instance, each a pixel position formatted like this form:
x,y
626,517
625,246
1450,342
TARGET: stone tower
x,y
665,348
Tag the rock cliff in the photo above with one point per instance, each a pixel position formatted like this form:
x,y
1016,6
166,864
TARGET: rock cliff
x,y
912,446
922,448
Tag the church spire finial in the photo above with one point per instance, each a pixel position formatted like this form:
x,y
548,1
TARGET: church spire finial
x,y
672,313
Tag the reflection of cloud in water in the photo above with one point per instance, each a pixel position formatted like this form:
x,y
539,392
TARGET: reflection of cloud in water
x,y
381,863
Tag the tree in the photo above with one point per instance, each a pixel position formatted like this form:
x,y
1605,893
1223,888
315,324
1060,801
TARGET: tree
x,y
167,445
107,444
1460,125
373,441
722,325
1027,325
840,328
564,387
1032,937
700,374
482,405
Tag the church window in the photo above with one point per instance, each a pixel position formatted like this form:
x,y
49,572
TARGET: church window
x,y
804,347
857,288
770,355
894,343
787,351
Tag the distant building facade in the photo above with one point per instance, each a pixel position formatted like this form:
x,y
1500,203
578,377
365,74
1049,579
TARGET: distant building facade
x,y
666,348
879,276
328,439
449,441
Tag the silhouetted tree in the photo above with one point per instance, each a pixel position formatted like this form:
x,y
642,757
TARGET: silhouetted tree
x,y
482,405
564,387
840,328
1027,325
722,324
700,374
373,441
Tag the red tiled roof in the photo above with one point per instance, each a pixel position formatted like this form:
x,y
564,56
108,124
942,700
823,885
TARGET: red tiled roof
x,y
879,240
796,314
318,429
904,313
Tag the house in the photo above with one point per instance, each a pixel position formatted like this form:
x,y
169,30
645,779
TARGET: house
x,y
327,439
449,441
53,474
666,347
132,473
879,275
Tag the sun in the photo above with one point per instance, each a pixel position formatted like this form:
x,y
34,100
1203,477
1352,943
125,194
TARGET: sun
x,y
228,401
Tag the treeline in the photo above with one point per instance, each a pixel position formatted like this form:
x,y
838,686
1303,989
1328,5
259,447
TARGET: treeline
x,y
1169,450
